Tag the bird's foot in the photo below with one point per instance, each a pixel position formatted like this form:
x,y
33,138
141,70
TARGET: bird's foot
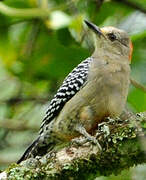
x,y
87,137
93,140
79,141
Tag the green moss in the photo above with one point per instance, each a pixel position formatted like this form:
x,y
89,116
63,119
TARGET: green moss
x,y
21,173
121,149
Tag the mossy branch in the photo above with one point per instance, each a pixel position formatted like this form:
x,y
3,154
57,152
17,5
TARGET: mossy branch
x,y
123,146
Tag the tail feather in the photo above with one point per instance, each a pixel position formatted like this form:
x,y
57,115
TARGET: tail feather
x,y
39,147
30,151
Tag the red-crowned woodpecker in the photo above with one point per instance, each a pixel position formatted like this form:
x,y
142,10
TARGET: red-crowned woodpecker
x,y
95,89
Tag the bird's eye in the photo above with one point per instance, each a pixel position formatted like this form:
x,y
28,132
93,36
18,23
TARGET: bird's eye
x,y
112,37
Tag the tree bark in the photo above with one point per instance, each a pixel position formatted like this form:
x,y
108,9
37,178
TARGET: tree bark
x,y
123,145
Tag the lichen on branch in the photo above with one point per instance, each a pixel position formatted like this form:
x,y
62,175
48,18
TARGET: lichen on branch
x,y
122,144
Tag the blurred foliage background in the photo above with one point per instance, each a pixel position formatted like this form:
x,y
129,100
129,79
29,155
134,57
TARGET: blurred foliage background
x,y
41,41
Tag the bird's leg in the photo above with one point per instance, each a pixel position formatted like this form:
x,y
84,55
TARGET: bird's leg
x,y
88,137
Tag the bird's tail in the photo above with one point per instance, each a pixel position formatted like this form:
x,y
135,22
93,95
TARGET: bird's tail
x,y
29,151
36,148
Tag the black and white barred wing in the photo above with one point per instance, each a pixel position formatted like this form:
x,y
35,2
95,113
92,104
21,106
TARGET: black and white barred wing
x,y
71,85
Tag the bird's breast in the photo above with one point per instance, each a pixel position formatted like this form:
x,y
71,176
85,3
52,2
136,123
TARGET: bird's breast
x,y
110,85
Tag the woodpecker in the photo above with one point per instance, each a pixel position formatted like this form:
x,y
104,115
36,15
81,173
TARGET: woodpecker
x,y
97,88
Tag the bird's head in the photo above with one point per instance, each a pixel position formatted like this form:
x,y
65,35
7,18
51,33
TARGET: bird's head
x,y
111,40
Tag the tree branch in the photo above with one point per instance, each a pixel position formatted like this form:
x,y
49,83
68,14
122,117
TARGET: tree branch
x,y
15,100
122,147
27,13
6,124
138,85
132,5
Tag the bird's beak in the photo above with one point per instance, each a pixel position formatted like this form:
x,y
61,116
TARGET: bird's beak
x,y
94,28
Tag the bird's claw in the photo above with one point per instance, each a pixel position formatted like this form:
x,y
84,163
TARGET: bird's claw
x,y
83,140
87,136
94,141
78,141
